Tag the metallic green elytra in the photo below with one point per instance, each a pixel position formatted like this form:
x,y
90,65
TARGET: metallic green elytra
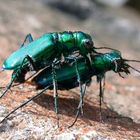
x,y
49,46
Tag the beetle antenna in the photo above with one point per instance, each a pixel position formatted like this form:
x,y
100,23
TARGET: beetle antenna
x,y
133,68
8,87
107,48
138,61
26,102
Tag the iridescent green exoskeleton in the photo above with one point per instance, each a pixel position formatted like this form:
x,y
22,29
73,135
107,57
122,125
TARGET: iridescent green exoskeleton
x,y
49,46
48,50
44,51
66,75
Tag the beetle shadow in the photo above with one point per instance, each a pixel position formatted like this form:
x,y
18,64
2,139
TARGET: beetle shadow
x,y
67,106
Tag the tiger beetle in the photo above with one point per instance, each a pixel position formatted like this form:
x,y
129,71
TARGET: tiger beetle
x,y
47,50
77,73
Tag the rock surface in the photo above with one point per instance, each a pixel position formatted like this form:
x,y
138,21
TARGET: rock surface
x,y
113,3
37,120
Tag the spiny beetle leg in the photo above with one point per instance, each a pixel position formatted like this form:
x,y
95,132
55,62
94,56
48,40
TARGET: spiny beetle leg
x,y
101,93
55,91
28,38
78,80
103,89
26,102
79,106
80,85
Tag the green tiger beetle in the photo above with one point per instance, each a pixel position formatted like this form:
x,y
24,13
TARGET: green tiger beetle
x,y
66,75
47,50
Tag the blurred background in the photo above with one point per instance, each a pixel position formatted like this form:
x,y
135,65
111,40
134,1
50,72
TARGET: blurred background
x,y
111,23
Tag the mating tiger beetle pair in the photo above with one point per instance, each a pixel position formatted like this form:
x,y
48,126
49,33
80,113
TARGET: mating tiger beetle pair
x,y
66,60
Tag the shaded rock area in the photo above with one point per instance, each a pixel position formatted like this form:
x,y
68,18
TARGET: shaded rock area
x,y
135,4
118,28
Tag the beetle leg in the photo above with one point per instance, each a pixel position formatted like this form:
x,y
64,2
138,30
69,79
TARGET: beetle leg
x,y
80,86
26,102
82,92
100,95
19,74
55,91
31,63
78,80
88,62
7,88
101,92
79,106
28,38
103,89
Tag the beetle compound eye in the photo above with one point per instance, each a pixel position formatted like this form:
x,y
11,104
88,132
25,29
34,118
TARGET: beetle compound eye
x,y
88,44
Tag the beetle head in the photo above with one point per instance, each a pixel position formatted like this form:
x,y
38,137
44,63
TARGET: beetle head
x,y
120,65
84,43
